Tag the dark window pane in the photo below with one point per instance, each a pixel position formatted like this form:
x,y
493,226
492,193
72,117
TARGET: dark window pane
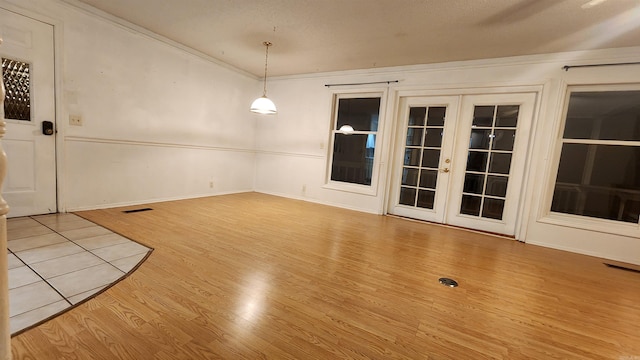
x,y
601,181
433,137
425,198
479,139
414,136
477,161
428,178
504,140
430,158
412,157
17,80
473,183
416,116
500,163
496,186
470,205
407,196
507,116
493,208
436,116
603,115
410,177
352,159
572,163
360,113
483,116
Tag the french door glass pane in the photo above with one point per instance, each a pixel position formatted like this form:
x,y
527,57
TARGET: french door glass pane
x,y
422,156
407,196
504,139
412,157
430,158
416,116
428,178
426,199
471,205
489,160
480,139
414,136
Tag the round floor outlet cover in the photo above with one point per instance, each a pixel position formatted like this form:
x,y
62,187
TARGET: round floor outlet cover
x,y
448,282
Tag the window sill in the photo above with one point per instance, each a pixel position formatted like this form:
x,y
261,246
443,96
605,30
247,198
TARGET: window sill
x,y
592,224
351,188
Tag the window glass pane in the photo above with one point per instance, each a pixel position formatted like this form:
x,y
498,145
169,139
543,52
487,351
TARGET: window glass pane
x,y
473,183
492,208
410,177
416,116
428,178
407,196
17,81
479,139
504,140
430,158
414,136
353,158
500,163
433,137
425,198
360,113
436,116
412,157
601,181
477,161
496,185
603,115
507,116
470,205
483,116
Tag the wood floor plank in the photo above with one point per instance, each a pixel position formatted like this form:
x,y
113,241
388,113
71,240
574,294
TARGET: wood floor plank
x,y
254,276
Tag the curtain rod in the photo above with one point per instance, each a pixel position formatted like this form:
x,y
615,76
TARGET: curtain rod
x,y
567,67
364,83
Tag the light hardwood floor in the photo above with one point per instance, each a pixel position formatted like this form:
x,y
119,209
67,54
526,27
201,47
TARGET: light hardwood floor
x,y
252,276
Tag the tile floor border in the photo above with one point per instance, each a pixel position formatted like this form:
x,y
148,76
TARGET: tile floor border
x,y
115,260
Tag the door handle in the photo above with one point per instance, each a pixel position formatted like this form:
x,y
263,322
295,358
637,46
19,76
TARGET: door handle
x,y
445,170
47,128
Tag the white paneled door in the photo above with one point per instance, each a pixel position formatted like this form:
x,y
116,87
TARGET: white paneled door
x,y
28,73
460,160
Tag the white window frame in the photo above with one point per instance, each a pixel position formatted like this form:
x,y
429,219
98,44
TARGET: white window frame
x,y
579,221
351,187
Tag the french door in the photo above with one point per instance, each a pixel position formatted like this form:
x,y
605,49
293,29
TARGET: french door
x,y
460,159
29,111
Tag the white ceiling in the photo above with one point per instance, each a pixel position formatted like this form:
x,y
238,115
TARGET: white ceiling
x,y
327,35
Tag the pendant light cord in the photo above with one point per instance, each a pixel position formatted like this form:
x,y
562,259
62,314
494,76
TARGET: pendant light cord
x,y
266,60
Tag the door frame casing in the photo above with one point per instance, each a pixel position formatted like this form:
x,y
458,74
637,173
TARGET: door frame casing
x,y
395,113
60,109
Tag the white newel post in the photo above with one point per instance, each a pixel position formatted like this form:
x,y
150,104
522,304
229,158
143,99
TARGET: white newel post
x,y
5,332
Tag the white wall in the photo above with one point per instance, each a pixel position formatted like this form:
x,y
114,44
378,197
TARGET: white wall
x,y
292,149
159,123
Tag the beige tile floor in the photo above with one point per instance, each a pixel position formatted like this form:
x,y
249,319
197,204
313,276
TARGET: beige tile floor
x,y
59,260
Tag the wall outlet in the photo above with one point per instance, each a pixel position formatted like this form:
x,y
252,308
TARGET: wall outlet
x,y
75,120
304,189
210,184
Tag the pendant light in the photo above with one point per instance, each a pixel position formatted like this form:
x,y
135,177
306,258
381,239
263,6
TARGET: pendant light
x,y
263,105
